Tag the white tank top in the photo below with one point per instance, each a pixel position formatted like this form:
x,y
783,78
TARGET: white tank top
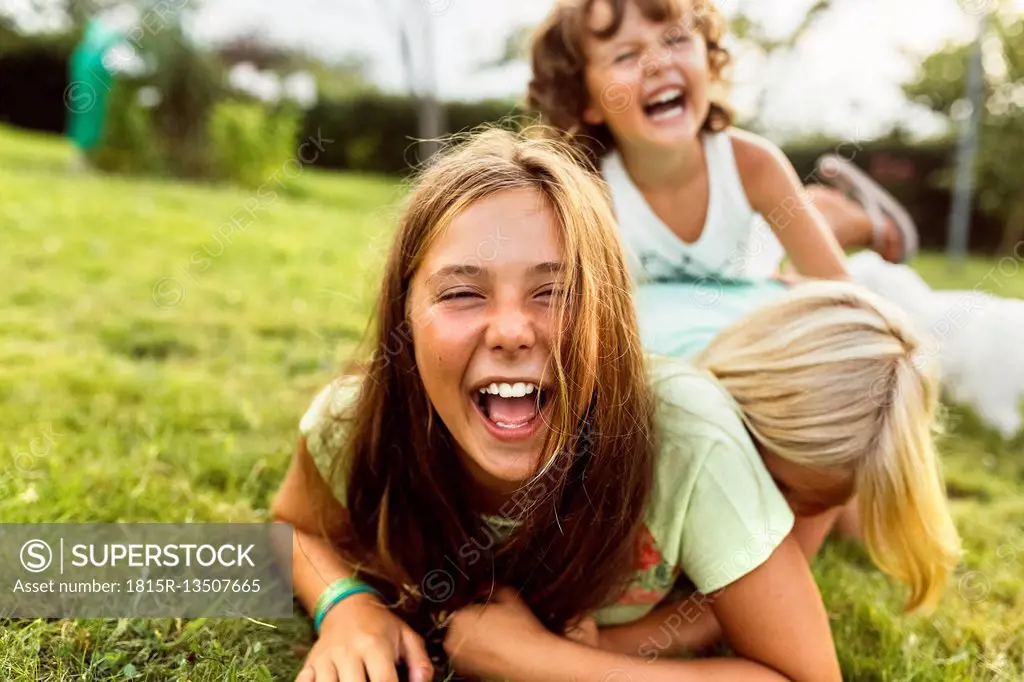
x,y
736,242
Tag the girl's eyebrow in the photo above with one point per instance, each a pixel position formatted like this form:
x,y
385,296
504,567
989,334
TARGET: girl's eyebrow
x,y
549,267
457,270
464,270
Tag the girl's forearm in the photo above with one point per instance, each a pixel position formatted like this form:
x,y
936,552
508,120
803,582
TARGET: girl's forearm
x,y
565,660
667,630
315,565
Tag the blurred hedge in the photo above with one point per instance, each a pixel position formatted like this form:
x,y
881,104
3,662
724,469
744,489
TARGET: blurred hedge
x,y
377,133
33,78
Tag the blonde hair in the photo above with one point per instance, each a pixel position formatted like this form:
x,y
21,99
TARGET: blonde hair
x,y
833,378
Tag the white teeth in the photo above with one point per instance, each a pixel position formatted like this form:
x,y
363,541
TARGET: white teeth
x,y
510,426
516,390
667,113
666,96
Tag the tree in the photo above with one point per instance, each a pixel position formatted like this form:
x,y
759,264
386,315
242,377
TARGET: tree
x,y
413,24
514,48
50,15
753,35
939,85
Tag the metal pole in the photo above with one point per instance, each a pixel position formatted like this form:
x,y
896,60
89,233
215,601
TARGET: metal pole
x,y
431,112
432,124
960,215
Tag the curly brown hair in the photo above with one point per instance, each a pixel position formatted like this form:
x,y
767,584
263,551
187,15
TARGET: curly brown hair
x,y
557,89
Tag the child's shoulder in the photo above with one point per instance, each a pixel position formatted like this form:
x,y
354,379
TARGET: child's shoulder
x,y
753,153
690,403
334,401
712,494
764,169
325,424
697,423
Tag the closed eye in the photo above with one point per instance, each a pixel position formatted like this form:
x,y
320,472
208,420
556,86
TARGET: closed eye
x,y
458,294
677,39
548,291
624,56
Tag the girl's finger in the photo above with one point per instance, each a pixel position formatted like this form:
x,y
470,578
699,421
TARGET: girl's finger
x,y
412,650
350,669
379,666
323,669
306,675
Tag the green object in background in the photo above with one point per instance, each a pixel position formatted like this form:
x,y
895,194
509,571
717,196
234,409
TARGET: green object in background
x,y
680,319
88,94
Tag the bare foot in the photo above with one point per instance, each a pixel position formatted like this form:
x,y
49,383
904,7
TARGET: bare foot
x,y
852,224
894,234
891,246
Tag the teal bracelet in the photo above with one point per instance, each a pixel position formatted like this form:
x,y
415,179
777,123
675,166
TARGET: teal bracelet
x,y
335,592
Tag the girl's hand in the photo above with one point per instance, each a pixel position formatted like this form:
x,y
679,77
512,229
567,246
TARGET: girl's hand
x,y
360,640
486,640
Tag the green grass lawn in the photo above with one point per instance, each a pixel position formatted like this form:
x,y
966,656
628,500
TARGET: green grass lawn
x,y
169,367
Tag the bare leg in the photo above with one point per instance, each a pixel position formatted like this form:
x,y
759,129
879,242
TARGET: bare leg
x,y
850,222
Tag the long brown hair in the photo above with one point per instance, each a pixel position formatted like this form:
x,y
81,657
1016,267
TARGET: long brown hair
x,y
412,529
558,90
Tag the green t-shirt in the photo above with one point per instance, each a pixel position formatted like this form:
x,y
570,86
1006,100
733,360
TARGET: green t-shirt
x,y
714,514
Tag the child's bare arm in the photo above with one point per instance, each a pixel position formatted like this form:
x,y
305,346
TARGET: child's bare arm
x,y
776,192
359,632
773,617
671,628
315,563
689,624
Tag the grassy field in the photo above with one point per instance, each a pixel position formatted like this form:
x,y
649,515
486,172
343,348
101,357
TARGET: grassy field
x,y
168,366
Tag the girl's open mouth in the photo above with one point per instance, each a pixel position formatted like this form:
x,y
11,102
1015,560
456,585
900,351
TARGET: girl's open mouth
x,y
665,104
511,411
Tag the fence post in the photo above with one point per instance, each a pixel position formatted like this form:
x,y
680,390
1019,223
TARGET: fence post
x,y
960,216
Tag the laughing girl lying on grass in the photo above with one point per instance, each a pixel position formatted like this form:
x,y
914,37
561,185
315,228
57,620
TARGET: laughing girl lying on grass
x,y
511,464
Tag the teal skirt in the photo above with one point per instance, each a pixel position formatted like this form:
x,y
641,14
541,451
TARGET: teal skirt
x,y
681,318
